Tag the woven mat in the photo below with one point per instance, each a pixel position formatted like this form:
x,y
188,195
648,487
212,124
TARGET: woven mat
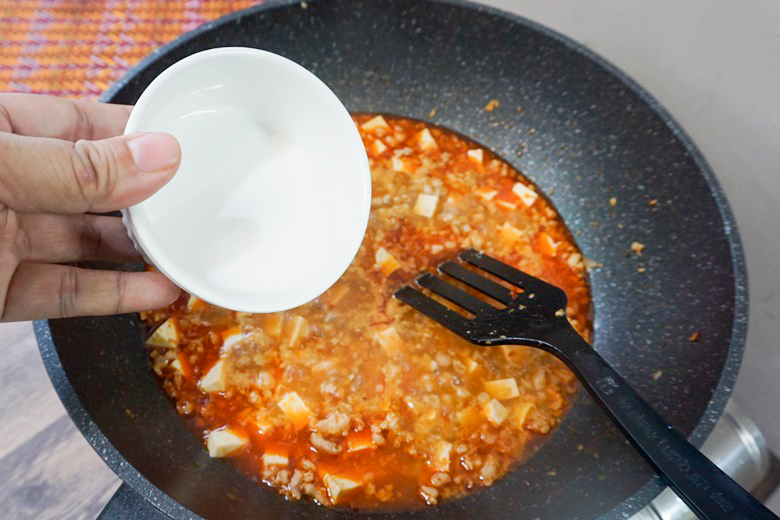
x,y
77,48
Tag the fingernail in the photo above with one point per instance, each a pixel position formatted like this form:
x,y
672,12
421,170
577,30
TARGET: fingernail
x,y
154,152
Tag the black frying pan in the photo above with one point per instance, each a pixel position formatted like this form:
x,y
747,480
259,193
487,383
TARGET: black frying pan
x,y
582,131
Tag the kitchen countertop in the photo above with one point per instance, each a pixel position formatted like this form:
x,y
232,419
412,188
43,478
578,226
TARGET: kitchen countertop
x,y
715,65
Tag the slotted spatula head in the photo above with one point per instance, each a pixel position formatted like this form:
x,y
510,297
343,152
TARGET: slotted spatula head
x,y
532,312
525,314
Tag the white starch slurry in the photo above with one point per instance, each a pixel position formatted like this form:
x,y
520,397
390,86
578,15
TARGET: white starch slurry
x,y
262,195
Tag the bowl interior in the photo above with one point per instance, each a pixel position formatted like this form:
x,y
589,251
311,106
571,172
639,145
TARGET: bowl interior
x,y
273,170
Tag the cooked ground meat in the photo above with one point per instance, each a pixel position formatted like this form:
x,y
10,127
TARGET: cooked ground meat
x,y
324,445
355,399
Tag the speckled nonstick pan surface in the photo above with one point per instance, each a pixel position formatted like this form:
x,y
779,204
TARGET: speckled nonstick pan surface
x,y
583,132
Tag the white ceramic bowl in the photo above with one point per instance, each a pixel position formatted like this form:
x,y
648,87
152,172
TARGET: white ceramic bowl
x,y
271,201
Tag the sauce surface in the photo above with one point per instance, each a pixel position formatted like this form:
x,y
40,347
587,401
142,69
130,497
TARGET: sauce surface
x,y
357,400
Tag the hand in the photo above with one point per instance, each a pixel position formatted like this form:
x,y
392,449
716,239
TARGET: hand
x,y
59,160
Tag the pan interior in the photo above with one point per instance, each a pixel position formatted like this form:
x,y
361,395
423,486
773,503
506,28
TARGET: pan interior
x,y
580,131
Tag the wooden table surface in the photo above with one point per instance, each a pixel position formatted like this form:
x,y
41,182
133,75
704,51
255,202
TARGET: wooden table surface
x,y
47,469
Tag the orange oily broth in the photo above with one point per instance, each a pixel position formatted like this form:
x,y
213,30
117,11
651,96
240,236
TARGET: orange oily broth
x,y
373,373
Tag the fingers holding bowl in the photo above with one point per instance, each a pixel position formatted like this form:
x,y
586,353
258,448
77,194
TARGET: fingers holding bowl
x,y
41,291
56,176
34,286
59,159
60,118
74,238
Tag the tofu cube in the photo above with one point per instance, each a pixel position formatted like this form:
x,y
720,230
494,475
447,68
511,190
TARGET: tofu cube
x,y
526,194
397,164
261,426
426,205
195,304
389,340
520,413
337,293
426,140
515,354
273,324
462,392
475,155
574,260
440,461
177,366
359,441
225,442
181,365
386,262
469,417
214,380
379,147
231,337
502,388
275,456
486,193
340,486
272,459
295,409
297,329
374,123
165,336
509,234
495,412
505,205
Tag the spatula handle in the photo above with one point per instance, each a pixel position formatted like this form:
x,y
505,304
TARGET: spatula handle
x,y
706,490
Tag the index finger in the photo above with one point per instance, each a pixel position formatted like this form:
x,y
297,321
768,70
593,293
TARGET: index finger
x,y
60,118
39,291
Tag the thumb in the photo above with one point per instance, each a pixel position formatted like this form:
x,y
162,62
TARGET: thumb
x,y
51,175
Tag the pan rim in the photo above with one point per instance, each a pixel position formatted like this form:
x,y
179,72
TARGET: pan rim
x,y
116,461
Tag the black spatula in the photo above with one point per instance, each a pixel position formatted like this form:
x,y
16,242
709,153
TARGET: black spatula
x,y
533,314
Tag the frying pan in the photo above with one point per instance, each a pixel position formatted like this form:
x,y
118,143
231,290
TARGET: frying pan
x,y
583,132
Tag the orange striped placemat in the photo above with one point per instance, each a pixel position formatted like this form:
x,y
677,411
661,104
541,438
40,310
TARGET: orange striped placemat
x,y
77,48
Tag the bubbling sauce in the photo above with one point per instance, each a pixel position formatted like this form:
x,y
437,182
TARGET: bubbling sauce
x,y
356,400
